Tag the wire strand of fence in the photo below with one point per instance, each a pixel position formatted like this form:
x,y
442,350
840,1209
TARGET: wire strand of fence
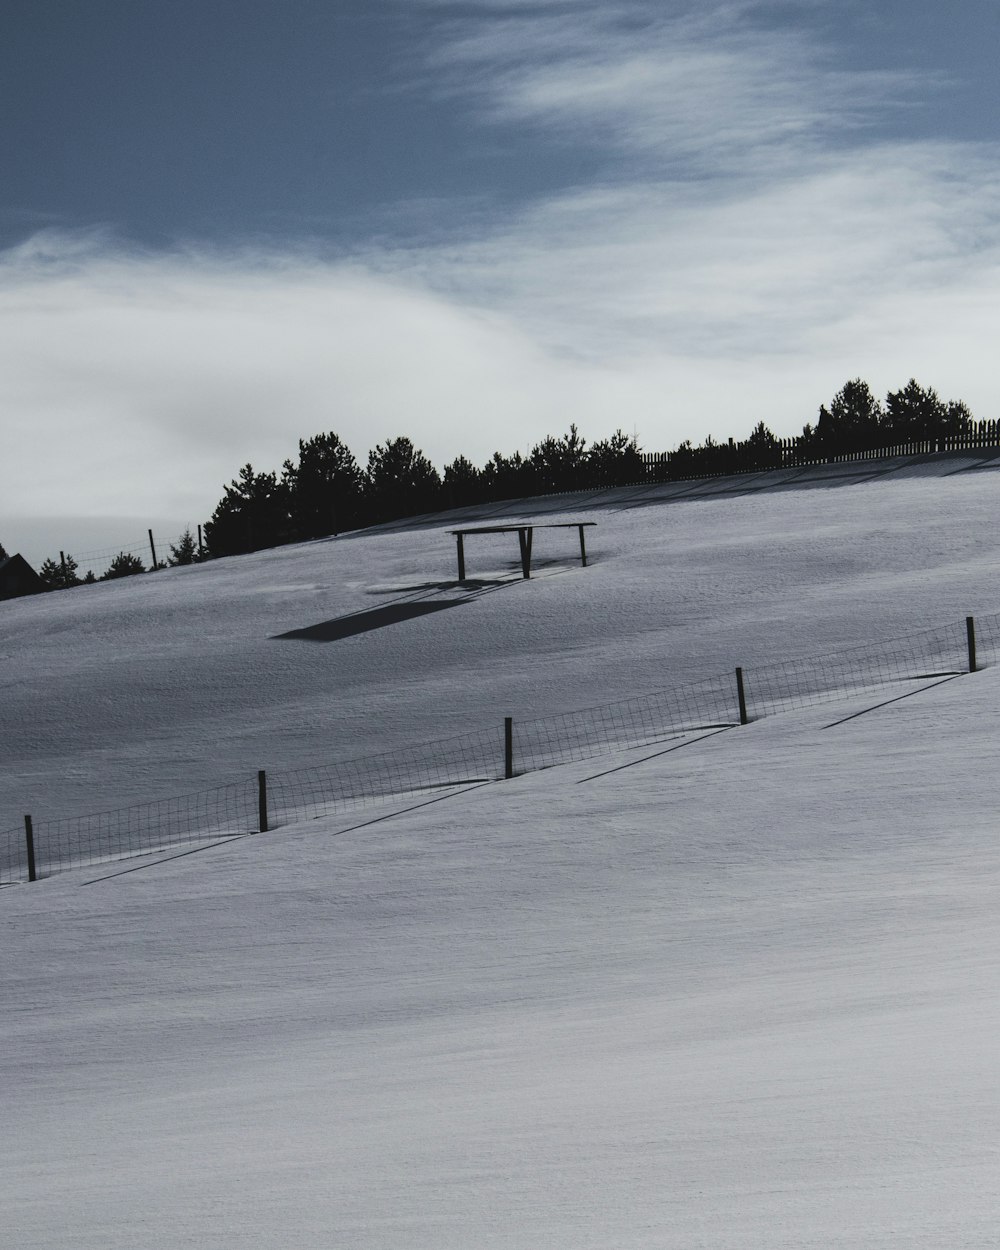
x,y
340,785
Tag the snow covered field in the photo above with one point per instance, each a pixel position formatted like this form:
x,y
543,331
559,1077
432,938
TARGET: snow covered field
x,y
742,994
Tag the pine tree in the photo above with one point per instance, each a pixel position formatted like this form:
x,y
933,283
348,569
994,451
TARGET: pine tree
x,y
761,450
253,514
399,481
854,421
186,550
615,461
123,565
59,574
505,477
462,483
324,488
916,412
557,463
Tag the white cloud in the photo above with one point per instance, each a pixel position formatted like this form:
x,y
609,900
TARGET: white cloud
x,y
733,268
132,381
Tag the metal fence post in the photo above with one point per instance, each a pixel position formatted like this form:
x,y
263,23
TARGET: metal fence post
x,y
29,842
741,695
508,747
262,800
970,633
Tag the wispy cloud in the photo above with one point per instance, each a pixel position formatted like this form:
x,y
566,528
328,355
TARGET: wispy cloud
x,y
697,90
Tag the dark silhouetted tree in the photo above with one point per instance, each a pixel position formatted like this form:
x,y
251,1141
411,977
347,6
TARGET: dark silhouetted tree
x,y
185,551
324,488
505,477
557,463
614,461
399,481
853,422
916,413
462,483
56,577
809,440
253,514
761,450
123,565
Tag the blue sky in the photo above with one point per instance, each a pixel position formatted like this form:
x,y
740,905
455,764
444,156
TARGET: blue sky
x,y
227,225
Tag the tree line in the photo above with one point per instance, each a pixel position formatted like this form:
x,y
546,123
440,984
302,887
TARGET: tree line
x,y
855,421
326,491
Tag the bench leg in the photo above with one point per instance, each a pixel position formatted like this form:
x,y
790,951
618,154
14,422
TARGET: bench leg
x,y
524,542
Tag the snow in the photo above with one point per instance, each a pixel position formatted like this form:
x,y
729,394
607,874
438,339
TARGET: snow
x,y
742,991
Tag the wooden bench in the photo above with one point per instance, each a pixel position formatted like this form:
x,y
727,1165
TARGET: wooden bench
x,y
524,535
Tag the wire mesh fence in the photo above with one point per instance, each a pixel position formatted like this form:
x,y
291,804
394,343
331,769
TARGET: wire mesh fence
x,y
626,723
13,857
488,755
140,555
128,831
345,784
802,683
987,636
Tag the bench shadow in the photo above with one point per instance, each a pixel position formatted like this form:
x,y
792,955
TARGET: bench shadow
x,y
363,622
471,584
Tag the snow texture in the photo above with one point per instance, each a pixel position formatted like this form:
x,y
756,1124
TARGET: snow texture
x,y
735,990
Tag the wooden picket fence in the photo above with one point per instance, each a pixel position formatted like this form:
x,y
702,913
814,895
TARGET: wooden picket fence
x,y
788,453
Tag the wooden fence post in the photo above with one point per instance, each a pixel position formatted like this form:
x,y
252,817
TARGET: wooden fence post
x,y
741,695
262,800
29,842
970,634
152,548
201,549
508,747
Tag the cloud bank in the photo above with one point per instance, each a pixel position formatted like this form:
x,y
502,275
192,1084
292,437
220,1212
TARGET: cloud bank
x,y
751,241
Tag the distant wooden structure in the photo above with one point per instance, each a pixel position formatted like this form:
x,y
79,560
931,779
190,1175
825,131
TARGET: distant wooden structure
x,y
18,578
524,538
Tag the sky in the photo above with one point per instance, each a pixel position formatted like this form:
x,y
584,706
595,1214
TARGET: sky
x,y
228,226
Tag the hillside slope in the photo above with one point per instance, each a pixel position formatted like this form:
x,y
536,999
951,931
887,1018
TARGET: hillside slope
x,y
744,994
160,685
737,991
